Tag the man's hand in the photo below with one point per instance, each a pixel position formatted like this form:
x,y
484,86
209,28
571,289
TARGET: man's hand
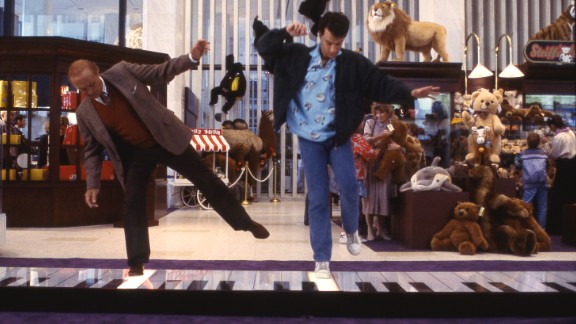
x,y
297,29
200,48
426,92
90,197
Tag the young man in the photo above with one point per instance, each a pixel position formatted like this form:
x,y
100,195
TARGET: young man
x,y
319,93
533,162
123,117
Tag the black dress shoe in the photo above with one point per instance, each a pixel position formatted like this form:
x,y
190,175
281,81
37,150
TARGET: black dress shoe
x,y
136,270
259,231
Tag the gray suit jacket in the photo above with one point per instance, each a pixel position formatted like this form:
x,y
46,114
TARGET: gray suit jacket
x,y
132,80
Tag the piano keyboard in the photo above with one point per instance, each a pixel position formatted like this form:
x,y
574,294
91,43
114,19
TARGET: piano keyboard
x,y
244,280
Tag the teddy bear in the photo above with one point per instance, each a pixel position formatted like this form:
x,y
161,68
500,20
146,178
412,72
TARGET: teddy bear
x,y
535,115
513,98
485,107
392,161
414,155
462,233
480,181
232,87
458,101
510,227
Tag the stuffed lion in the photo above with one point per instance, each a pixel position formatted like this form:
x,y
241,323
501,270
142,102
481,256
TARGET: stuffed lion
x,y
395,31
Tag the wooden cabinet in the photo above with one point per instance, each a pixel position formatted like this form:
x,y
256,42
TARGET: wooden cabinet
x,y
43,179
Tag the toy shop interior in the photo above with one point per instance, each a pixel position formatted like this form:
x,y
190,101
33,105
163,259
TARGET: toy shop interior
x,y
465,175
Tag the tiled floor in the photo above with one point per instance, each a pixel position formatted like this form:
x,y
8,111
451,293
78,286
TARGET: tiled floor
x,y
198,234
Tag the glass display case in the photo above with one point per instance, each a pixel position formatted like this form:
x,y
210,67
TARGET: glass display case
x,y
42,172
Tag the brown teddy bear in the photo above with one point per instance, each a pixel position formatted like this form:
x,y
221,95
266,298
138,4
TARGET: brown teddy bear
x,y
480,181
392,161
485,108
462,233
414,155
510,226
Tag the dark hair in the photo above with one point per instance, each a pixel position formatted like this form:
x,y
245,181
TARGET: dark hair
x,y
336,22
555,120
533,140
18,118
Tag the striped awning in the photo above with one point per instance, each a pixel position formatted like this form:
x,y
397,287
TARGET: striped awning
x,y
209,140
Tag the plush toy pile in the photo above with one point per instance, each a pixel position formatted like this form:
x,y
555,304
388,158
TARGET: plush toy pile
x,y
462,233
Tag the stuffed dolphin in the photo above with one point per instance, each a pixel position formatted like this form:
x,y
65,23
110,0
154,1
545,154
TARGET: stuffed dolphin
x,y
431,178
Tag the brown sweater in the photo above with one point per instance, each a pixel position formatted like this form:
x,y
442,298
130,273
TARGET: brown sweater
x,y
122,121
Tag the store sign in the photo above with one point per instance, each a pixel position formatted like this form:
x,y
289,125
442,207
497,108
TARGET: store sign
x,y
549,51
206,131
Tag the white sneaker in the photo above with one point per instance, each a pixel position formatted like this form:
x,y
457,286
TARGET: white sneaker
x,y
354,243
322,270
386,237
342,238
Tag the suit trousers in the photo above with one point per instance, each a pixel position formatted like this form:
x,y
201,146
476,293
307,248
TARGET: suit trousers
x,y
138,167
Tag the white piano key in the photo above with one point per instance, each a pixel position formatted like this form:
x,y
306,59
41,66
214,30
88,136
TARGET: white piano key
x,y
374,278
400,278
243,280
496,276
569,276
346,281
264,280
323,284
452,281
133,282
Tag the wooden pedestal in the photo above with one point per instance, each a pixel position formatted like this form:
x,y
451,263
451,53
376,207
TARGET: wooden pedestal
x,y
422,214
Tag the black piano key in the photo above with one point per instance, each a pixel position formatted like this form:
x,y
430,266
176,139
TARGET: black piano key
x,y
115,283
502,286
197,285
281,286
6,281
309,286
366,287
87,283
225,285
421,287
557,286
393,287
476,287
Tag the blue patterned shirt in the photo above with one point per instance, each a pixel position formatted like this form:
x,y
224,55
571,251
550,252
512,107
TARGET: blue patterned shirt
x,y
311,114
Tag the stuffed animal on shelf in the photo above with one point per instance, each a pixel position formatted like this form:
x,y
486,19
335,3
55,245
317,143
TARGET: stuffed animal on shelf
x,y
395,31
480,181
485,108
462,233
431,178
232,87
392,161
414,153
313,10
481,141
510,226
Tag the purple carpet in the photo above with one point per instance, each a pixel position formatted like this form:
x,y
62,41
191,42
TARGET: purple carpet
x,y
480,265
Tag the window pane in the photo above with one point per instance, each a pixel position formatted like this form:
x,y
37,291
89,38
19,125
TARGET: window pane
x,y
134,24
1,17
89,20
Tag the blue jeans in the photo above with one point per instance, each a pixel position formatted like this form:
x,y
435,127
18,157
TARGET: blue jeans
x,y
538,197
316,156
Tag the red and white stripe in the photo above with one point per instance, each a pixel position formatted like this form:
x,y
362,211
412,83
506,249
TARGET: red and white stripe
x,y
209,143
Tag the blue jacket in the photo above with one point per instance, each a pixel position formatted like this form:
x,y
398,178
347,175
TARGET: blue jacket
x,y
533,163
357,80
